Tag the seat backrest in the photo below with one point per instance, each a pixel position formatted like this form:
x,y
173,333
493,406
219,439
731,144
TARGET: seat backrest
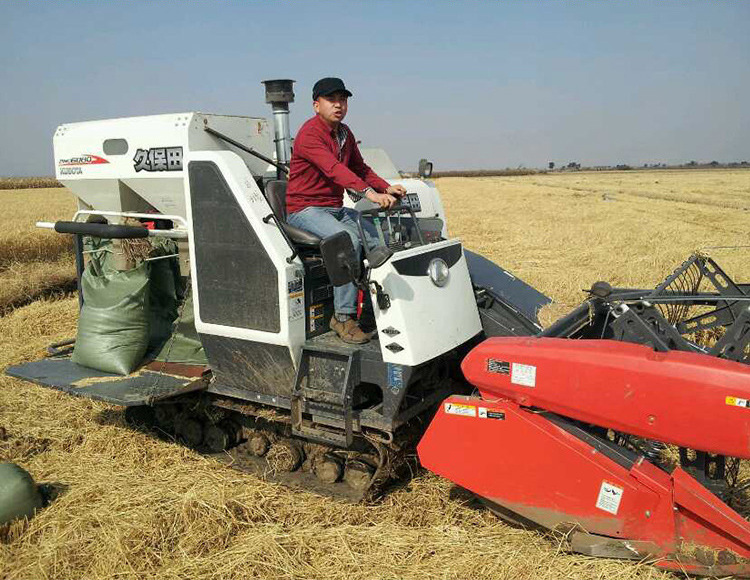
x,y
276,195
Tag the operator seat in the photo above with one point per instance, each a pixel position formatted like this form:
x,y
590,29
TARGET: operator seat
x,y
276,195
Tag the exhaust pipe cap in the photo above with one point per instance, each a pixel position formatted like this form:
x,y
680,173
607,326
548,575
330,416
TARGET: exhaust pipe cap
x,y
279,91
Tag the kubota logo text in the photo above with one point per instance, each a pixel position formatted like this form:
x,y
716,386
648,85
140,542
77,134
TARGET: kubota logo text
x,y
82,160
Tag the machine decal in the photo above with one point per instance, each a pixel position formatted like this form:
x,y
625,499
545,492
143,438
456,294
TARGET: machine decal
x,y
74,165
485,413
737,402
253,194
158,159
316,313
82,160
395,377
524,375
501,367
459,409
296,299
609,498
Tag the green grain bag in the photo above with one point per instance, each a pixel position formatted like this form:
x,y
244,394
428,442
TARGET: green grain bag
x,y
113,327
19,495
184,346
164,299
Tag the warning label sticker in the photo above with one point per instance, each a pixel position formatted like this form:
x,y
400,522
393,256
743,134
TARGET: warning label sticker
x,y
501,367
296,306
485,413
459,409
316,317
737,402
296,299
609,498
524,375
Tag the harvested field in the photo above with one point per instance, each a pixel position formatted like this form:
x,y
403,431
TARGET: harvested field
x,y
28,182
562,232
34,262
135,507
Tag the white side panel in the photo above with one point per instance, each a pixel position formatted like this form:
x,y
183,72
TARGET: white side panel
x,y
255,208
151,161
254,132
380,162
430,320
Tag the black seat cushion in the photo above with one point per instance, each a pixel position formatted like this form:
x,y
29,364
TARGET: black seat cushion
x,y
276,195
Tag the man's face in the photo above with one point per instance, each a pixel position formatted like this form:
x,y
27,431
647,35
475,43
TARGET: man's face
x,y
332,108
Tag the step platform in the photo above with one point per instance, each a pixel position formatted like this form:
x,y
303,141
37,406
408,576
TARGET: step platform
x,y
145,386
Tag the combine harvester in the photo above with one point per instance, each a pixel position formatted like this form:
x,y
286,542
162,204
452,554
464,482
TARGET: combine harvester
x,y
206,316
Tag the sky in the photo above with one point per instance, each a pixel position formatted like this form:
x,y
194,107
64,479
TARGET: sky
x,y
466,84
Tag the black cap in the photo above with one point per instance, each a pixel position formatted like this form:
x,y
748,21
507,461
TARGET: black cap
x,y
328,86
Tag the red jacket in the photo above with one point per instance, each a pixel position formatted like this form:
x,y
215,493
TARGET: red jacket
x,y
319,172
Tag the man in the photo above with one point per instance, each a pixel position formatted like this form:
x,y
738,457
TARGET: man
x,y
325,161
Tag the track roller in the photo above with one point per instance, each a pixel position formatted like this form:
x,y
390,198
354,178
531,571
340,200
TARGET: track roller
x,y
284,456
216,439
328,469
258,444
190,430
358,474
234,430
140,416
221,437
165,416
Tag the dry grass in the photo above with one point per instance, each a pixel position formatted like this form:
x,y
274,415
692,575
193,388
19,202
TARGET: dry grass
x,y
23,283
33,262
28,182
136,507
562,232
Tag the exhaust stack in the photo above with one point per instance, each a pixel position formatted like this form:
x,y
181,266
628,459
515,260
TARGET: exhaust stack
x,y
279,93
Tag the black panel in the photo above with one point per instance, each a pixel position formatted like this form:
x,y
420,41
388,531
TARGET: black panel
x,y
417,265
500,319
141,388
622,456
318,298
237,280
508,287
251,367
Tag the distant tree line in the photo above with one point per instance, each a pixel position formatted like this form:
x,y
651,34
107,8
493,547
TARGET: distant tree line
x,y
575,166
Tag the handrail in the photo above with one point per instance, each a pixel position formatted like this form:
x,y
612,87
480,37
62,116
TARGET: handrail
x,y
181,233
246,149
160,216
295,253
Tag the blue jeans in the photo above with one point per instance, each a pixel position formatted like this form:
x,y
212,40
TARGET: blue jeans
x,y
326,221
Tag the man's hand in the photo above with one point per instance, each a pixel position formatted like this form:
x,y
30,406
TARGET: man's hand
x,y
397,190
384,200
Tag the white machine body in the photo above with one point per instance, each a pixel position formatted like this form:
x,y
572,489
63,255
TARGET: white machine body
x,y
142,165
136,164
424,318
291,332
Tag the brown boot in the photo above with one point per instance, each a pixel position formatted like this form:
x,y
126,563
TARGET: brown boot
x,y
349,331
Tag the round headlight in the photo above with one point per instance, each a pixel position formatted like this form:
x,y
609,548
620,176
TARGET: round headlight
x,y
438,272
